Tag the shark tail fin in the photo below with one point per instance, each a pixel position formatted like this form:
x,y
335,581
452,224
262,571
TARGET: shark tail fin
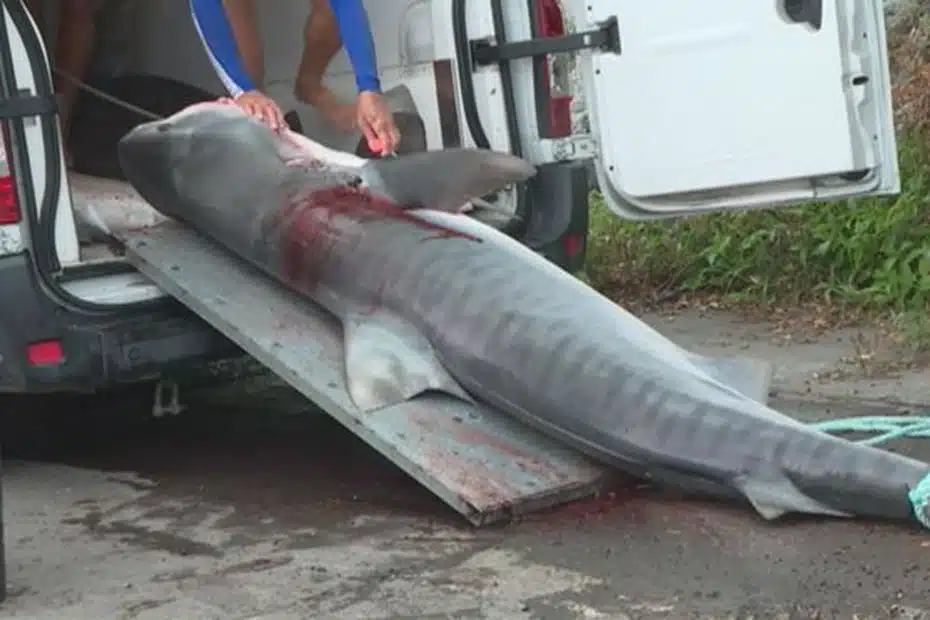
x,y
444,180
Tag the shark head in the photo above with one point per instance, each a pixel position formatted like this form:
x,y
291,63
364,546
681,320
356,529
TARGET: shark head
x,y
214,155
208,154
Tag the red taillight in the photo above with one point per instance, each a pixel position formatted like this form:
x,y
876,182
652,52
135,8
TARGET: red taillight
x,y
45,353
560,116
572,245
9,207
556,103
549,18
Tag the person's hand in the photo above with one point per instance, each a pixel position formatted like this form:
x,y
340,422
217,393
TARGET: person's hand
x,y
377,123
262,107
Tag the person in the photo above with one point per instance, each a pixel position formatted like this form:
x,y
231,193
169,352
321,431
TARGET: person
x,y
229,31
75,41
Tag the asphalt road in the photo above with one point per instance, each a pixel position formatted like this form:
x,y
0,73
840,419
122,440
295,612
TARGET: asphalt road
x,y
242,512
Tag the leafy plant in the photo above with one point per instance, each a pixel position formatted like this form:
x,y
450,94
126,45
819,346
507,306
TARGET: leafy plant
x,y
871,253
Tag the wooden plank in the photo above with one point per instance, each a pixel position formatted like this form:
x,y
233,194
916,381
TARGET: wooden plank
x,y
482,463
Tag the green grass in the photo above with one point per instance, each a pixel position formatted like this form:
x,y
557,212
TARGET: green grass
x,y
870,254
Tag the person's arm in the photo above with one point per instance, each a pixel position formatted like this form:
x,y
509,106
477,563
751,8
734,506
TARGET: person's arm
x,y
358,42
219,40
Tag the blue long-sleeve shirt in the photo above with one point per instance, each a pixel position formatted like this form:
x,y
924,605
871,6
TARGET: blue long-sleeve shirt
x,y
217,36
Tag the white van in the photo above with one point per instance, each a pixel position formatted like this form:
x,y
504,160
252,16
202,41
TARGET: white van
x,y
692,107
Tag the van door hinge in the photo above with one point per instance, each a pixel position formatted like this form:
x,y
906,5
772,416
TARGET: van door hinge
x,y
24,105
606,37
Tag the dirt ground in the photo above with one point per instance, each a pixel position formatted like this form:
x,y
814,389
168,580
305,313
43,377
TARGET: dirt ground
x,y
247,512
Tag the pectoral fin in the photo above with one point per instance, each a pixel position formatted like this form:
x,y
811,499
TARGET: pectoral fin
x,y
749,376
388,362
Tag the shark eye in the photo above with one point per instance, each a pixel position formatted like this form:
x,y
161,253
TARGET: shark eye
x,y
164,127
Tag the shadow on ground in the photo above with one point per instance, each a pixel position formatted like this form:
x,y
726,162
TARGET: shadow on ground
x,y
218,480
261,461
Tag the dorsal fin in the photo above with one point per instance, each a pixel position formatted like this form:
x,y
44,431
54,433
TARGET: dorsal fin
x,y
444,180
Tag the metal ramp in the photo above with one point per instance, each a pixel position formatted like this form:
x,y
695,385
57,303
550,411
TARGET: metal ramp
x,y
482,463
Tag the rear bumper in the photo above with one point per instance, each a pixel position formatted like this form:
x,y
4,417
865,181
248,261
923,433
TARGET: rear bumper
x,y
99,350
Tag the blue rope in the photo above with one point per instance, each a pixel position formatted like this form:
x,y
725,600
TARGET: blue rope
x,y
920,500
889,428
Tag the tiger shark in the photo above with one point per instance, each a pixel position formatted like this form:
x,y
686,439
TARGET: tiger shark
x,y
431,299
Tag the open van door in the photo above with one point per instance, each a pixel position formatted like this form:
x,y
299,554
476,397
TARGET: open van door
x,y
734,104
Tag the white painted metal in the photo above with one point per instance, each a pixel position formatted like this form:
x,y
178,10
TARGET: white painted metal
x,y
728,104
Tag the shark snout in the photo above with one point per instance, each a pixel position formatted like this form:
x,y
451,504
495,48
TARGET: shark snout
x,y
151,143
149,153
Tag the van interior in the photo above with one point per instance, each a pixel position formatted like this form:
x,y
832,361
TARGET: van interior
x,y
156,62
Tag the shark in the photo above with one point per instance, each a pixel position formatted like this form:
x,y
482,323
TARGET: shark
x,y
432,299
